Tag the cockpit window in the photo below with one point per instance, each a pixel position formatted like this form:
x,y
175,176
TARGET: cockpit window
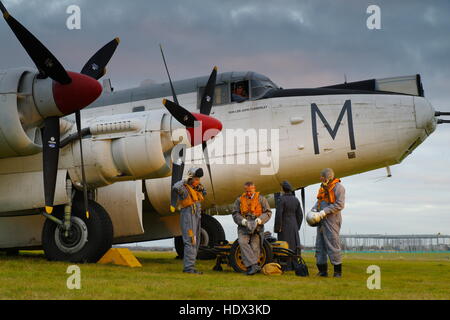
x,y
260,88
239,91
221,95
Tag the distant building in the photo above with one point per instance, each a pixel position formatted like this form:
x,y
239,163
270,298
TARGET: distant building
x,y
380,242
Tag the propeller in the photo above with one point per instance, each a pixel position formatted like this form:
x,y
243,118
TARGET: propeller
x,y
71,93
189,120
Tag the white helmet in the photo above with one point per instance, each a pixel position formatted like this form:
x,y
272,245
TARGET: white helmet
x,y
312,218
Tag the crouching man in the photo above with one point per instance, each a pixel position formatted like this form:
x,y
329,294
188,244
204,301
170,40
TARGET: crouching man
x,y
251,212
190,195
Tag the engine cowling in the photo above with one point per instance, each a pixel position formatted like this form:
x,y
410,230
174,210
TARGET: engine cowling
x,y
17,138
126,147
25,101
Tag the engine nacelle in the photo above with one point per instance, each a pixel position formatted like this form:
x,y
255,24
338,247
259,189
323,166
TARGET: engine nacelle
x,y
25,100
15,92
126,147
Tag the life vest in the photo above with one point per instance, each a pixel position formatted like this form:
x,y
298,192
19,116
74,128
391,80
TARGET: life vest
x,y
326,193
193,197
250,206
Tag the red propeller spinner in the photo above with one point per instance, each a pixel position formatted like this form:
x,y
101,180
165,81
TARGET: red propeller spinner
x,y
81,92
210,127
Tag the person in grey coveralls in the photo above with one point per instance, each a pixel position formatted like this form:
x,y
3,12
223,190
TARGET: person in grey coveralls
x,y
288,219
190,195
327,210
251,212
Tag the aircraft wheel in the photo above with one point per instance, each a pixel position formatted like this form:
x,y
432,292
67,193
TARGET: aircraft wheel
x,y
237,263
87,240
210,234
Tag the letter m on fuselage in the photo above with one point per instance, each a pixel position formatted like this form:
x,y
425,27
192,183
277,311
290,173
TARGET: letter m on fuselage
x,y
347,108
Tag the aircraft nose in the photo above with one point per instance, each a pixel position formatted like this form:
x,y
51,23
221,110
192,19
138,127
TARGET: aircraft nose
x,y
210,128
425,115
80,93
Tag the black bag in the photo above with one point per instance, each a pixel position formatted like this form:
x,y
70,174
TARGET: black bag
x,y
301,269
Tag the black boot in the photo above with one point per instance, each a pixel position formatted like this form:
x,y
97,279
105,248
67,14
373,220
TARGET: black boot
x,y
338,271
254,269
323,270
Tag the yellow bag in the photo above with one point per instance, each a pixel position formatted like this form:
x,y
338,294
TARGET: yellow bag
x,y
272,269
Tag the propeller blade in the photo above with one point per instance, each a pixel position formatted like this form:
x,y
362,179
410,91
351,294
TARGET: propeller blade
x,y
96,66
177,173
208,166
181,114
44,60
83,173
205,108
50,157
188,120
208,96
174,95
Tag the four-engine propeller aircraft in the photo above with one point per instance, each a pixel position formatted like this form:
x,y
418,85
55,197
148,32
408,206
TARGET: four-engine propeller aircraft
x,y
123,175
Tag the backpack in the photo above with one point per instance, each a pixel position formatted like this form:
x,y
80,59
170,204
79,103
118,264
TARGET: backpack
x,y
301,269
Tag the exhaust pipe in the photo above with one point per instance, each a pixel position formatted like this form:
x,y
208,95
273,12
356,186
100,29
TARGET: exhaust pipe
x,y
439,113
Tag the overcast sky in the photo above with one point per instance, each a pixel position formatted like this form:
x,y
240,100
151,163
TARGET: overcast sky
x,y
296,44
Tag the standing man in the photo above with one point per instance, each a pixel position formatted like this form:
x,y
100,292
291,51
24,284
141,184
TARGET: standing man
x,y
251,212
288,219
326,214
190,195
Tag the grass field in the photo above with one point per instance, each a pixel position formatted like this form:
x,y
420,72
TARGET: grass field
x,y
403,276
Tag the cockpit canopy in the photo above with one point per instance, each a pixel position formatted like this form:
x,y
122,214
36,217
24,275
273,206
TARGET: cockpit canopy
x,y
239,87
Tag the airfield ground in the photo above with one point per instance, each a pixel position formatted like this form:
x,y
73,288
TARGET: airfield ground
x,y
403,276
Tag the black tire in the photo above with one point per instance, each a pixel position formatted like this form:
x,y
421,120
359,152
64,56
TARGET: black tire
x,y
179,246
90,238
235,258
215,233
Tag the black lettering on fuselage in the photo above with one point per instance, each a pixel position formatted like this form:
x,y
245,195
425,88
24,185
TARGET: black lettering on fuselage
x,y
347,108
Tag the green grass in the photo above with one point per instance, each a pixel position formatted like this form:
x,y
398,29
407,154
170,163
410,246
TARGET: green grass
x,y
403,276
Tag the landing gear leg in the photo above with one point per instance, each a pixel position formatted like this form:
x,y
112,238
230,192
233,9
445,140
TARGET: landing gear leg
x,y
66,222
68,208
